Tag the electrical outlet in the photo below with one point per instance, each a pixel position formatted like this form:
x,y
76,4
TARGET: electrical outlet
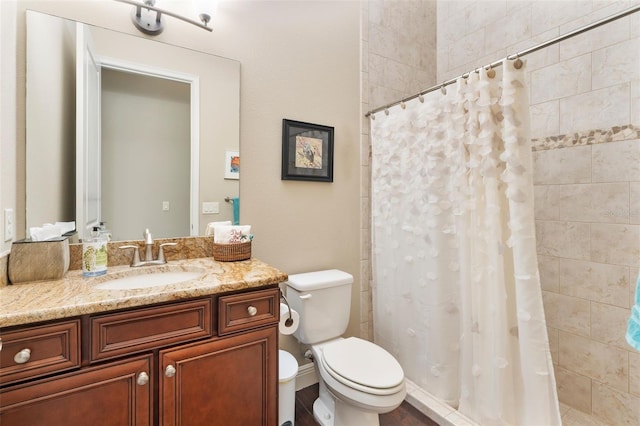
x,y
9,226
211,207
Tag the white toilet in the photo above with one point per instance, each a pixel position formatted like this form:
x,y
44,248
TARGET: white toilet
x,y
358,379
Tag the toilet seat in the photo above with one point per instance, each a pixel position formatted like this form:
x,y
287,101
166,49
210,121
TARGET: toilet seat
x,y
364,366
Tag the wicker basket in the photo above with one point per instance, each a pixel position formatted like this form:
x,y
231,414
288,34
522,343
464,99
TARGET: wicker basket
x,y
232,252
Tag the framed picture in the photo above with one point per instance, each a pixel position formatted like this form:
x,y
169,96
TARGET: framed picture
x,y
232,165
307,151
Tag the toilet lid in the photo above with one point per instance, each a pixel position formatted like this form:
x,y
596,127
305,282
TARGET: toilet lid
x,y
363,362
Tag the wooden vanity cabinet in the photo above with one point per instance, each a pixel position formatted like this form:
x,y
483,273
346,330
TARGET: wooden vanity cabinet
x,y
119,393
206,361
231,381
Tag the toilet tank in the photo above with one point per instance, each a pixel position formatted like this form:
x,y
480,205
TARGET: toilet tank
x,y
323,300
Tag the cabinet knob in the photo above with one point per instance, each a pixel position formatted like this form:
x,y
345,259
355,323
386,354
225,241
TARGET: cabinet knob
x,y
143,379
22,356
170,371
252,310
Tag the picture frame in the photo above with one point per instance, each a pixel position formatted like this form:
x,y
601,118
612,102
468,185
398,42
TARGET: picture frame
x,y
232,164
307,151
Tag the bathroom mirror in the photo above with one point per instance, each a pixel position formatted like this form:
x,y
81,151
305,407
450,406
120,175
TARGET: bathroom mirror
x,y
156,127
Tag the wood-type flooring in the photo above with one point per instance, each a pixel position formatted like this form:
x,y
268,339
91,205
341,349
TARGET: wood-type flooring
x,y
405,415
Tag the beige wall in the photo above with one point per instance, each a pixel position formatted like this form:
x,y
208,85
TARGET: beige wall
x,y
299,60
585,119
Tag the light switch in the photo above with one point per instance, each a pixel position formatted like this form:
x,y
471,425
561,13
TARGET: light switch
x,y
166,206
8,225
210,207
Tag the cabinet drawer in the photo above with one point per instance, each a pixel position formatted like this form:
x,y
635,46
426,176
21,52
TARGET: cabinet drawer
x,y
126,333
35,351
243,311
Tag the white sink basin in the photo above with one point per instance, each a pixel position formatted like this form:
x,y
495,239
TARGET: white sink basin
x,y
146,280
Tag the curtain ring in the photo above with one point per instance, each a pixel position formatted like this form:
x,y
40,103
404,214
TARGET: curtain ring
x,y
491,72
443,89
386,111
402,105
518,62
421,98
373,116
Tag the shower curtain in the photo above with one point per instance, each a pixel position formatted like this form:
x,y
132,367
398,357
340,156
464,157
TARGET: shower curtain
x,y
456,293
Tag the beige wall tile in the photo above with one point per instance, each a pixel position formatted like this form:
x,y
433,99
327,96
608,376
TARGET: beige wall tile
x,y
566,165
615,407
616,64
595,39
566,78
609,324
546,15
563,239
598,202
635,102
546,202
578,418
634,372
635,24
553,343
597,109
602,202
542,58
514,27
548,267
616,161
615,244
633,285
594,281
595,360
545,119
573,389
634,203
566,313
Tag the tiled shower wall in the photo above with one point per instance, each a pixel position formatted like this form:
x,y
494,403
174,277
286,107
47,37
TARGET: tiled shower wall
x,y
585,116
398,59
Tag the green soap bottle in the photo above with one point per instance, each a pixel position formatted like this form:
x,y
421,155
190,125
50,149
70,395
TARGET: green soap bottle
x,y
94,254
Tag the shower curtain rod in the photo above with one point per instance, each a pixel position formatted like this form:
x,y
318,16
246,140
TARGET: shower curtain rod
x,y
525,52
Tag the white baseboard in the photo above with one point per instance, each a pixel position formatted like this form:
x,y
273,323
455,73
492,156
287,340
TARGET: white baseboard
x,y
306,376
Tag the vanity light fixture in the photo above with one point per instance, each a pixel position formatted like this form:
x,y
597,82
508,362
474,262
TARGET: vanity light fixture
x,y
148,18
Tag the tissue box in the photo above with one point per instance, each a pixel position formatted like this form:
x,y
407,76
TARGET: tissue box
x,y
38,260
232,252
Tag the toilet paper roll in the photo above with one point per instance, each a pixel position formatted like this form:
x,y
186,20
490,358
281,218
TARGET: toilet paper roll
x,y
286,326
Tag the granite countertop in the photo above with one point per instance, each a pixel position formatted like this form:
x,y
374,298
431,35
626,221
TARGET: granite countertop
x,y
76,295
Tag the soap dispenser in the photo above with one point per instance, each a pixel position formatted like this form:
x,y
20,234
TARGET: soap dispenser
x,y
94,254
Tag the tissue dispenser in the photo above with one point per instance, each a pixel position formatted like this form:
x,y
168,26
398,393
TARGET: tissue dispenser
x,y
38,260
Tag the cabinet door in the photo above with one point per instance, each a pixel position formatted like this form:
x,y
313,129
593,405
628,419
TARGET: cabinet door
x,y
116,394
230,381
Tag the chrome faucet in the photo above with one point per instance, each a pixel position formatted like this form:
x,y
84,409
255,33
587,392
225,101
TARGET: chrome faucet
x,y
148,242
148,251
